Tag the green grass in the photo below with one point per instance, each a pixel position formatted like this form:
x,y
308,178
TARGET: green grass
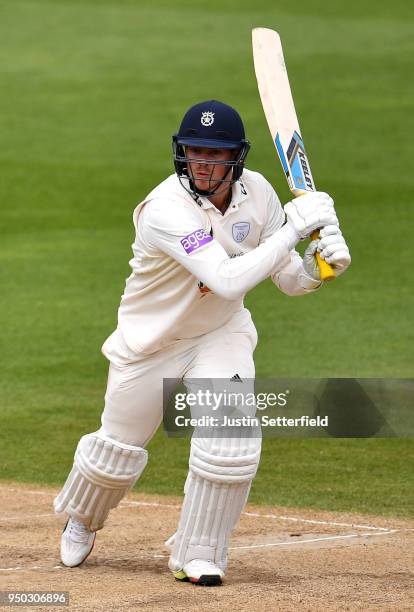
x,y
91,93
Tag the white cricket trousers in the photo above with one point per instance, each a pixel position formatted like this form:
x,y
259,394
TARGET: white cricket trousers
x,y
134,396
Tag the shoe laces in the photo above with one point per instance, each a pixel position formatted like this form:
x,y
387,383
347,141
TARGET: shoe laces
x,y
77,531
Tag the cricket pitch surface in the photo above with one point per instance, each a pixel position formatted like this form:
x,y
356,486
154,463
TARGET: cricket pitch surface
x,y
280,558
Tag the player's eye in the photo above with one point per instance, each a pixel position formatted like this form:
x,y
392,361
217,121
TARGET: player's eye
x,y
193,152
220,154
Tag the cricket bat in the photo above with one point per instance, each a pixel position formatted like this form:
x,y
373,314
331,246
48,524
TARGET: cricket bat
x,y
279,109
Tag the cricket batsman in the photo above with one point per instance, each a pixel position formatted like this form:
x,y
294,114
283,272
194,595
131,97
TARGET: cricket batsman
x,y
204,237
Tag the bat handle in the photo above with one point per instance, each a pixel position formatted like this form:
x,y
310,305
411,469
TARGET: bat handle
x,y
326,271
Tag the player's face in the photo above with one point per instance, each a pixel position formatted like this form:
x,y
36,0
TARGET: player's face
x,y
206,174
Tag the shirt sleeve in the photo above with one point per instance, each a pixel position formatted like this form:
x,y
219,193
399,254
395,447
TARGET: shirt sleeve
x,y
177,230
292,278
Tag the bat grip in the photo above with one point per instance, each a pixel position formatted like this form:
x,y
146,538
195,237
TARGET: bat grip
x,y
326,271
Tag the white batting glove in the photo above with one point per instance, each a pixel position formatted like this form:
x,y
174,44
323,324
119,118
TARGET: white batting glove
x,y
310,212
309,261
332,248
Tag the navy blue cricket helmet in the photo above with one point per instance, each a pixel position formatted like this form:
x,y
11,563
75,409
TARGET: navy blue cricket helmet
x,y
211,124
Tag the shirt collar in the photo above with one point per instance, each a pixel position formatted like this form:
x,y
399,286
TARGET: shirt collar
x,y
239,194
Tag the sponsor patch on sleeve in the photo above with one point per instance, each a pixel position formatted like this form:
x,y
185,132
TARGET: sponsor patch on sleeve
x,y
195,240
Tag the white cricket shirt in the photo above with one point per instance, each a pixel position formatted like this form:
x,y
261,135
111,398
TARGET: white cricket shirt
x,y
192,265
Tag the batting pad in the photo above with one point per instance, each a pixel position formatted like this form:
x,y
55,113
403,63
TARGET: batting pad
x,y
216,491
103,472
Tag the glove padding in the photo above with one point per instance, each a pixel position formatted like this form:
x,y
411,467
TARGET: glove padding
x,y
310,212
332,248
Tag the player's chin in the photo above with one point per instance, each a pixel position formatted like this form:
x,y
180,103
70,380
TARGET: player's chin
x,y
204,184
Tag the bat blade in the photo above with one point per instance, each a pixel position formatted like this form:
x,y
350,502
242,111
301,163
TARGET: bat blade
x,y
279,109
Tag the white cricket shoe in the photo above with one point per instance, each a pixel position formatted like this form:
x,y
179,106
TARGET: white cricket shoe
x,y
76,543
200,571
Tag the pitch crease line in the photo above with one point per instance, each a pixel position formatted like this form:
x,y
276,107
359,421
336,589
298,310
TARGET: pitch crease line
x,y
269,545
127,503
29,492
26,516
132,503
270,516
338,537
313,521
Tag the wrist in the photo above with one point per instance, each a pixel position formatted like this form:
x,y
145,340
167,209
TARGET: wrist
x,y
308,281
290,236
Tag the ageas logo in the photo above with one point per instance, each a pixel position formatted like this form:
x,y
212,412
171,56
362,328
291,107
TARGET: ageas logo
x,y
195,240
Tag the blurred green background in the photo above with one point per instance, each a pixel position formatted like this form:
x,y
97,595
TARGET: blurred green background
x,y
90,95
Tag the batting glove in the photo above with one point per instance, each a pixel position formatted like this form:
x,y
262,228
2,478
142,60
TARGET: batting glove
x,y
332,248
310,212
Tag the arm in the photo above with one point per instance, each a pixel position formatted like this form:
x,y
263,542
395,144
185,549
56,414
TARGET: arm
x,y
176,230
293,279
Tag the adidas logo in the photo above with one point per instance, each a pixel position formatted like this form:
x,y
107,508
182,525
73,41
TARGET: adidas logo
x,y
236,378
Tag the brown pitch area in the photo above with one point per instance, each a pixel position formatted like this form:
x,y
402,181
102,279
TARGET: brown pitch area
x,y
280,558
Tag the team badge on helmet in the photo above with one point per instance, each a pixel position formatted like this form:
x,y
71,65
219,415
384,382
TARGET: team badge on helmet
x,y
207,118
